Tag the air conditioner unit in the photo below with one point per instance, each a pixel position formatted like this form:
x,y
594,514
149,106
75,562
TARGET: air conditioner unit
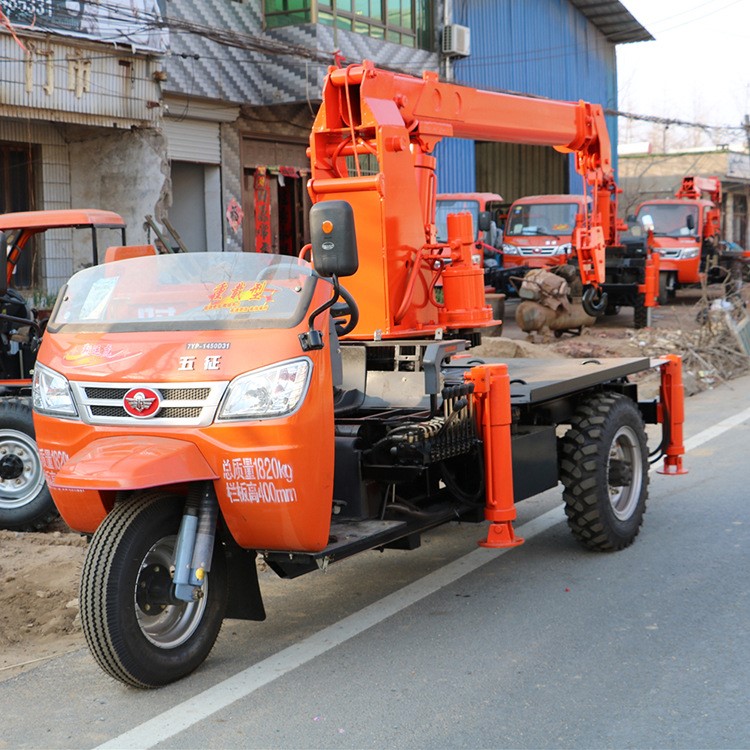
x,y
456,40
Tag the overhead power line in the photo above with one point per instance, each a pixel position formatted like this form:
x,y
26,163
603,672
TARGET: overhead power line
x,y
261,45
671,121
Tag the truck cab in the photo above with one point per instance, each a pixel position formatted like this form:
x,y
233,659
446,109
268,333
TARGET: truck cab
x,y
684,231
488,240
539,230
678,238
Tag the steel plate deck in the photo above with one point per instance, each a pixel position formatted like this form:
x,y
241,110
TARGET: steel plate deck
x,y
534,381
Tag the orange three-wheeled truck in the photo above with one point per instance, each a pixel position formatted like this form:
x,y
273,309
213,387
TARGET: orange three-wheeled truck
x,y
25,501
196,410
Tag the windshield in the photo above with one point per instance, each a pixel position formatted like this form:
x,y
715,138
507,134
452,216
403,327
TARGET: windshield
x,y
533,219
445,207
670,219
187,291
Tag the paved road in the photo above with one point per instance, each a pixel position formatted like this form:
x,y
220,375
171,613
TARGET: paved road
x,y
453,646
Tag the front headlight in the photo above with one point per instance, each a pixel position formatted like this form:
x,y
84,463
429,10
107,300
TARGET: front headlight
x,y
510,249
270,392
564,249
690,252
51,393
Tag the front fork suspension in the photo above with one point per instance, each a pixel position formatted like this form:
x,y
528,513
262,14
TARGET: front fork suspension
x,y
195,542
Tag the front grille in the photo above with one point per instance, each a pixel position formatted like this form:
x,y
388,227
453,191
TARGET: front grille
x,y
192,404
185,394
537,250
106,393
174,412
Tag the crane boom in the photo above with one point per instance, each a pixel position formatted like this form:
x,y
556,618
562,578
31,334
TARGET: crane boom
x,y
372,145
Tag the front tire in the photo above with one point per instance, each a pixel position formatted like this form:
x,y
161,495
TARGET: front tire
x,y
663,287
641,315
135,634
604,471
25,500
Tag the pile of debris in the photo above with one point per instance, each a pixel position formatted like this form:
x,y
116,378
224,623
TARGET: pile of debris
x,y
716,351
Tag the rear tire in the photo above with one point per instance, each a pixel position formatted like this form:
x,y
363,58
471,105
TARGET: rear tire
x,y
25,500
134,634
604,471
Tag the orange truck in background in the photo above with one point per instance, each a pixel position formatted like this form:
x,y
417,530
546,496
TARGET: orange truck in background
x,y
686,230
539,230
196,410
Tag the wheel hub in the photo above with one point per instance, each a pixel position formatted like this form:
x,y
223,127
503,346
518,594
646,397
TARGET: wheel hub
x,y
620,474
153,590
11,466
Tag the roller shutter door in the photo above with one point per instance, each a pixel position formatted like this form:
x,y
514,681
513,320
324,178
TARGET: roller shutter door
x,y
193,141
517,170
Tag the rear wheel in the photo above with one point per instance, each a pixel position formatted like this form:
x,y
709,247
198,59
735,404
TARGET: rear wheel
x,y
25,501
136,631
604,471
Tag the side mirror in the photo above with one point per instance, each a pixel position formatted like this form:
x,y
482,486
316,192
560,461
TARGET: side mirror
x,y
334,240
3,263
485,219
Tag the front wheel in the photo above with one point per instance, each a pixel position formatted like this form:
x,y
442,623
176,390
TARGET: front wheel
x,y
667,287
604,471
136,632
641,313
25,500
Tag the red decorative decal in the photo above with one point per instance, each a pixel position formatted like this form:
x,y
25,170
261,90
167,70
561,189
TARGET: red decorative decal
x,y
141,403
242,297
235,215
262,190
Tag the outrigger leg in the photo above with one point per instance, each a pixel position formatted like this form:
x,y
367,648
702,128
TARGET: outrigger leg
x,y
492,395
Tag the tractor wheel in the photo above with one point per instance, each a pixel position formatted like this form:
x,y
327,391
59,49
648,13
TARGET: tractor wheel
x,y
25,501
640,312
137,633
604,471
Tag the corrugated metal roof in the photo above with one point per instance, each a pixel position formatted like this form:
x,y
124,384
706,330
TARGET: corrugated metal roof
x,y
614,20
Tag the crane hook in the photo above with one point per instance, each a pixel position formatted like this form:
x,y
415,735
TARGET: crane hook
x,y
593,301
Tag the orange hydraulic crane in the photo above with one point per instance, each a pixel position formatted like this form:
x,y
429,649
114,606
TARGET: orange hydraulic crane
x,y
372,145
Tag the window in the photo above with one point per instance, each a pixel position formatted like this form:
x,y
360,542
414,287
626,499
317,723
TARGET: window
x,y
16,194
406,22
287,12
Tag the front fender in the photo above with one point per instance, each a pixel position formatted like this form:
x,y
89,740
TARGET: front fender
x,y
133,463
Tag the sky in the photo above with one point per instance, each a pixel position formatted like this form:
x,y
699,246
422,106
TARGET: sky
x,y
698,69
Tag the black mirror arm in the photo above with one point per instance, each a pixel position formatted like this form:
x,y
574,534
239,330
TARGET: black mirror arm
x,y
312,338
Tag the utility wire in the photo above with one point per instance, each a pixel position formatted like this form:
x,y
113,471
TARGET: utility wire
x,y
146,21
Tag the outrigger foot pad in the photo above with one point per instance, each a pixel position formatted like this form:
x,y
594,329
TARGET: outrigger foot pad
x,y
501,535
673,466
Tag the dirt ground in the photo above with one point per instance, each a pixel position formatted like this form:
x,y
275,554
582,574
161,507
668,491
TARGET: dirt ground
x,y
39,615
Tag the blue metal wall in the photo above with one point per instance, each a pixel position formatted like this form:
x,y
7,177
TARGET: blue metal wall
x,y
542,47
